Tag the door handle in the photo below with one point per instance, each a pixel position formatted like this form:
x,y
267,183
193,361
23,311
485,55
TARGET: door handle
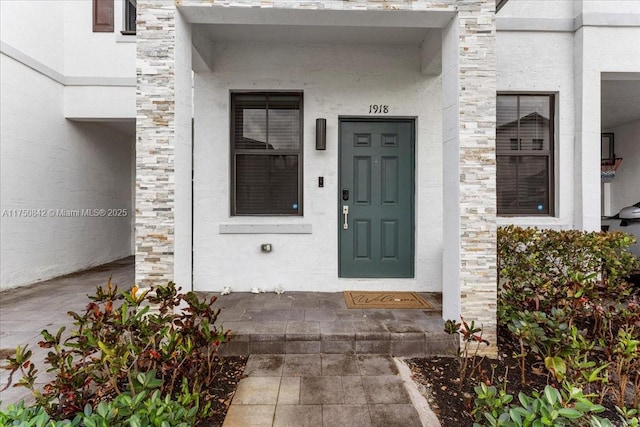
x,y
345,214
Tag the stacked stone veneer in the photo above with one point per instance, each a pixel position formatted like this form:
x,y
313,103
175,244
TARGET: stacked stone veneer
x,y
476,125
155,142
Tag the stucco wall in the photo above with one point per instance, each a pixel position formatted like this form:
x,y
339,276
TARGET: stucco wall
x,y
570,65
336,80
96,54
610,6
555,9
542,62
35,28
597,50
625,189
563,9
59,34
50,163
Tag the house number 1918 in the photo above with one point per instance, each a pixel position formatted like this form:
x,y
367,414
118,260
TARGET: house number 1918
x,y
378,109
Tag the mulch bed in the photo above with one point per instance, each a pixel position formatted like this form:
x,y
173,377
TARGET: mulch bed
x,y
452,401
220,393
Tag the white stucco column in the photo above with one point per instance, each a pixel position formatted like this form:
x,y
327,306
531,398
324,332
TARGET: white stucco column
x,y
183,154
587,198
451,172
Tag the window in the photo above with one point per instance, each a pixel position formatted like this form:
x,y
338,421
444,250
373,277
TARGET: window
x,y
524,154
266,153
130,10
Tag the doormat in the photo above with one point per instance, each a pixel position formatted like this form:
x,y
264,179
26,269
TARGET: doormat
x,y
390,300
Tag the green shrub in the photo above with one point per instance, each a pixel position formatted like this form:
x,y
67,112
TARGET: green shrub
x,y
553,407
630,417
564,298
544,269
19,415
119,340
145,409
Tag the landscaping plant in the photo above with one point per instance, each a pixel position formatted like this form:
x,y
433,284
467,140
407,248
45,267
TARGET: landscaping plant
x,y
564,297
471,337
153,352
552,407
568,337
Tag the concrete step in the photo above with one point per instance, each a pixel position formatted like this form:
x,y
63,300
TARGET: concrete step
x,y
306,322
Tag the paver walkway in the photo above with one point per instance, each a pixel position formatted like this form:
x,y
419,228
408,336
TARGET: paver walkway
x,y
322,390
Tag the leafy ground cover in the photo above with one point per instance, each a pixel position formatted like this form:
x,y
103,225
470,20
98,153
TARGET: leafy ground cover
x,y
453,399
134,358
569,338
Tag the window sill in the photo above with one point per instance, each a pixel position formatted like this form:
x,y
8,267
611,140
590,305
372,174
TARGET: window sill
x,y
265,229
126,37
534,221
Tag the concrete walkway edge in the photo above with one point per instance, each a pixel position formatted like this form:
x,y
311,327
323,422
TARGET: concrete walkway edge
x,y
427,416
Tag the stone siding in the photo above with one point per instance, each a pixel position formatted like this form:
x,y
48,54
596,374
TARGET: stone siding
x,y
155,131
477,122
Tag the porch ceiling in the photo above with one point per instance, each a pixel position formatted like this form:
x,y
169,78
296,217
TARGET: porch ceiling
x,y
317,17
315,26
313,34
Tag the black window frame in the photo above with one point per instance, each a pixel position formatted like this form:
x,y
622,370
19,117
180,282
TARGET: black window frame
x,y
549,155
130,17
237,151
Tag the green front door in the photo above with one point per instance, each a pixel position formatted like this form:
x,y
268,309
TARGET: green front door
x,y
376,198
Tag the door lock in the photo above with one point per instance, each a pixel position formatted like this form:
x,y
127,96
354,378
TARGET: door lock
x,y
345,194
345,213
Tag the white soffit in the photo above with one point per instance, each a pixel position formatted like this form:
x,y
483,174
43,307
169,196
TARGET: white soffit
x,y
270,25
317,17
299,34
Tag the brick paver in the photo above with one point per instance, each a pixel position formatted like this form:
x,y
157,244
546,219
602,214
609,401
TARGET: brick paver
x,y
322,390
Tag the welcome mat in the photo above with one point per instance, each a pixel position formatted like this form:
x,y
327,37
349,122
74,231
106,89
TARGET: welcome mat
x,y
372,299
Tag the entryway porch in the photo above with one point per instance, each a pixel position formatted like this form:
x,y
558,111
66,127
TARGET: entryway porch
x,y
316,322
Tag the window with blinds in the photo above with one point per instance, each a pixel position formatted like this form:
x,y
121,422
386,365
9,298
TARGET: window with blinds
x,y
266,153
524,154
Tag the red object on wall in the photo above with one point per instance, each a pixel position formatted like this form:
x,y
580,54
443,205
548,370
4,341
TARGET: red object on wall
x,y
102,16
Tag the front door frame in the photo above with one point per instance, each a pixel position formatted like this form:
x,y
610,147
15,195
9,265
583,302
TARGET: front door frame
x,y
338,222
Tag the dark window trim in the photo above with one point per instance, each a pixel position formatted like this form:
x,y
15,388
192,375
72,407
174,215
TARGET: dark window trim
x,y
553,99
233,151
125,22
500,4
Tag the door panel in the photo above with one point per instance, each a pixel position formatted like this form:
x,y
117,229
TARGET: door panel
x,y
362,180
362,240
377,171
389,180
